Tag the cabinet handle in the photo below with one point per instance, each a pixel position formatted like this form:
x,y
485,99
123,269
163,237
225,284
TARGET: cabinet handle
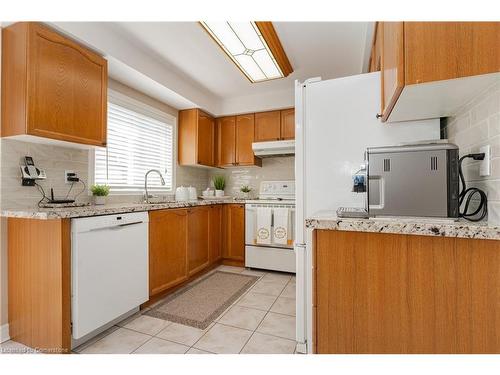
x,y
378,115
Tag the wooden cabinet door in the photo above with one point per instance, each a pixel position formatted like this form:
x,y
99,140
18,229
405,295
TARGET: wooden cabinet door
x,y
167,249
197,239
245,128
436,51
234,232
67,87
205,139
267,126
288,123
392,68
226,145
215,233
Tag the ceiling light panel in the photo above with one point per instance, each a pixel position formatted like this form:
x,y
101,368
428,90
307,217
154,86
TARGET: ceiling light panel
x,y
244,44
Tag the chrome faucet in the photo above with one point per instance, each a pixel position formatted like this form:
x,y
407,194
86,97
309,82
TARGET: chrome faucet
x,y
146,195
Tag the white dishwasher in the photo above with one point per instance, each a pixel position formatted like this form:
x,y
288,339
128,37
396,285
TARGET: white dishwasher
x,y
109,269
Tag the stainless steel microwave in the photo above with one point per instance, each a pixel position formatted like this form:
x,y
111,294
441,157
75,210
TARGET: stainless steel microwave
x,y
413,180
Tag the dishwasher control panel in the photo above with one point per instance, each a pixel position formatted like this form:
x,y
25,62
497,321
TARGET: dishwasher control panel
x,y
106,221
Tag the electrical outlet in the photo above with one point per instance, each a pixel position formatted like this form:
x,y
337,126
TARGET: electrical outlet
x,y
484,165
68,174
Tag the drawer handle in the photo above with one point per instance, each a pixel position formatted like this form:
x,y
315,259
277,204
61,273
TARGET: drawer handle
x,y
378,115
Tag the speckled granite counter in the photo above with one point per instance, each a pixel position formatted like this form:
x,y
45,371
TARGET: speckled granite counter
x,y
417,226
108,209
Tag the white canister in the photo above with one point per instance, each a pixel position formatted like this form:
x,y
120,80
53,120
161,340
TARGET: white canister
x,y
193,194
181,194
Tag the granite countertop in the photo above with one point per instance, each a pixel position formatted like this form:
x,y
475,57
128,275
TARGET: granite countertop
x,y
417,226
107,209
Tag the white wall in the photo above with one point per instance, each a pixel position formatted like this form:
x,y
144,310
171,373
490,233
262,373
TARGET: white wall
x,y
476,124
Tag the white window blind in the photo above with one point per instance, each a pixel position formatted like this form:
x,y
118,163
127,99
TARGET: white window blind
x,y
136,143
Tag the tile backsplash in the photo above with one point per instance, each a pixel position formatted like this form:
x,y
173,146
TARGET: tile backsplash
x,y
274,169
477,124
55,160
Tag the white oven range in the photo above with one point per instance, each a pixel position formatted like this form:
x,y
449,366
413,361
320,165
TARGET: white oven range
x,y
275,255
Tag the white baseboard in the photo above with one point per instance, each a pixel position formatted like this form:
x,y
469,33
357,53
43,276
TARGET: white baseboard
x,y
4,333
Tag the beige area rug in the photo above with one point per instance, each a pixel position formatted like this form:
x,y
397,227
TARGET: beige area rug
x,y
198,304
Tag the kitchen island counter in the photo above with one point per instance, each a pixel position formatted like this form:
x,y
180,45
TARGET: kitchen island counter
x,y
31,212
328,220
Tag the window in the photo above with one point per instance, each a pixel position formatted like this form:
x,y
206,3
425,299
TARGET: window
x,y
140,138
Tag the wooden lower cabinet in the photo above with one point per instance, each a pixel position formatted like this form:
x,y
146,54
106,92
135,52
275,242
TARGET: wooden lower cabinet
x,y
168,241
198,239
184,242
387,293
215,233
39,266
233,228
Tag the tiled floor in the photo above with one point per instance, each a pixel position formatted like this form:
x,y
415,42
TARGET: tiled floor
x,y
260,321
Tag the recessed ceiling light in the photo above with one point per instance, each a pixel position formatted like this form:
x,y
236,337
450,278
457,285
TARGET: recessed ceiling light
x,y
253,46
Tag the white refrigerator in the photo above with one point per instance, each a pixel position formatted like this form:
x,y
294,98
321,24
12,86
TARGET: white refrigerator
x,y
335,121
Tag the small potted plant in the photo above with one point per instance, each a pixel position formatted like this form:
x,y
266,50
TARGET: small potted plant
x,y
219,184
100,192
245,189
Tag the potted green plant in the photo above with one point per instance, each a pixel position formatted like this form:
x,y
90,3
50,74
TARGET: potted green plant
x,y
245,189
100,192
219,184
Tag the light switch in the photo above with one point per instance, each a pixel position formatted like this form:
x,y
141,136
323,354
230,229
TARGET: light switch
x,y
484,165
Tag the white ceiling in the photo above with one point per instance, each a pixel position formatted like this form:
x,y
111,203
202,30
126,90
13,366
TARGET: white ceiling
x,y
179,63
326,49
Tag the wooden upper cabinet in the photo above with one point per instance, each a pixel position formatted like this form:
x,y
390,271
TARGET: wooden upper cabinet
x,y
449,57
196,141
436,51
235,138
392,68
234,232
52,87
275,125
245,129
375,62
226,144
198,239
288,123
168,239
268,126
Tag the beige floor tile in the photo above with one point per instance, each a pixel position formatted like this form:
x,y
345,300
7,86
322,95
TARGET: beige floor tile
x,y
13,347
160,346
278,276
289,291
121,341
278,325
243,317
197,351
272,287
181,334
225,311
223,339
85,345
265,344
284,306
125,321
257,301
254,273
147,324
230,269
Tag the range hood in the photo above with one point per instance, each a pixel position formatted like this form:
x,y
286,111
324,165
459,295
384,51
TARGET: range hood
x,y
273,148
